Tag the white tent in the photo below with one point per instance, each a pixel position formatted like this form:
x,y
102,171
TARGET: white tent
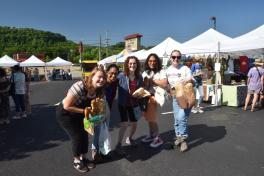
x,y
255,33
58,62
113,58
110,59
251,43
207,42
33,61
139,54
163,49
7,61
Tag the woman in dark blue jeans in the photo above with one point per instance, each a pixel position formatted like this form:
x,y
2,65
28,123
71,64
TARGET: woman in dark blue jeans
x,y
129,81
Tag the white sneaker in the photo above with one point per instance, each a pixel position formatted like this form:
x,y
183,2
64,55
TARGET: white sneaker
x,y
147,139
16,117
194,110
156,142
24,115
199,110
131,142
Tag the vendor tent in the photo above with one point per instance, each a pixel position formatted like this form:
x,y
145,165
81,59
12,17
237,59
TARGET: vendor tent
x,y
33,61
58,62
139,54
251,43
163,49
207,42
255,33
110,59
7,61
113,58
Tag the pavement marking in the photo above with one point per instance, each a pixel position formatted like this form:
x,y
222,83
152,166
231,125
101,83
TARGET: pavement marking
x,y
164,113
57,104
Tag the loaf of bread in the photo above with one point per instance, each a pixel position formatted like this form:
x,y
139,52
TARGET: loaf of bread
x,y
98,106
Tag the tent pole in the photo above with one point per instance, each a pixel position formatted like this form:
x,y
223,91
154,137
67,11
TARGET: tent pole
x,y
45,73
218,77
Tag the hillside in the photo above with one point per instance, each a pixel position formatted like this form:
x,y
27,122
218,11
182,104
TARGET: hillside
x,y
32,41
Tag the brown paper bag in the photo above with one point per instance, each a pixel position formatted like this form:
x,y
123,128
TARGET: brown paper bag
x,y
185,95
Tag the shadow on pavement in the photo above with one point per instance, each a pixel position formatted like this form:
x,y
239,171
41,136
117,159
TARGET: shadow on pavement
x,y
199,134
37,132
202,133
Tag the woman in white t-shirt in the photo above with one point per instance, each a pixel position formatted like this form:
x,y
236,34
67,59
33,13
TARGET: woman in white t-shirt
x,y
153,76
179,74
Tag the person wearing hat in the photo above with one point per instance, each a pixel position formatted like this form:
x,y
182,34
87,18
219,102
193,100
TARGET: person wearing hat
x,y
196,70
254,83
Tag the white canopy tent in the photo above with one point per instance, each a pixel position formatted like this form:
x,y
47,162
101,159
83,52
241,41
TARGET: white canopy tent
x,y
7,61
33,61
58,62
113,58
205,43
139,54
251,43
163,49
110,59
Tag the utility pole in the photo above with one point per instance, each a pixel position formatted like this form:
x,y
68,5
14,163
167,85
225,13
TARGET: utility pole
x,y
100,45
107,42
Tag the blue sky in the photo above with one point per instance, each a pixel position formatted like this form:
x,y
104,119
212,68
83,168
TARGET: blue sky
x,y
86,20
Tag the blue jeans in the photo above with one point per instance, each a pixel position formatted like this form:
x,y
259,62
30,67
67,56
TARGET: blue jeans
x,y
19,100
180,119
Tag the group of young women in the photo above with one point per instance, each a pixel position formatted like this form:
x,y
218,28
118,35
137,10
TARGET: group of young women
x,y
101,84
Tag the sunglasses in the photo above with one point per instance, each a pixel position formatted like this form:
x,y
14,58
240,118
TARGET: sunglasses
x,y
175,57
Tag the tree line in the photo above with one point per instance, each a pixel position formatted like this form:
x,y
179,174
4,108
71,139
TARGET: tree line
x,y
31,41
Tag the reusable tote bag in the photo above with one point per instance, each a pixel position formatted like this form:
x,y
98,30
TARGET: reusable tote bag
x,y
104,140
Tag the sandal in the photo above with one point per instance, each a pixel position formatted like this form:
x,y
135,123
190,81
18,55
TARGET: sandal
x,y
244,109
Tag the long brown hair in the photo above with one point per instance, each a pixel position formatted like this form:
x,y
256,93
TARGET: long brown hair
x,y
126,69
99,92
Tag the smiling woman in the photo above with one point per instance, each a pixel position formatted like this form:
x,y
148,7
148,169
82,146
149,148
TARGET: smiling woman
x,y
72,110
179,75
129,82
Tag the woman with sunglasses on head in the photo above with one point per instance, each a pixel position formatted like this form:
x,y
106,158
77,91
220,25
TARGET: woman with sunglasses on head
x,y
111,86
129,81
153,76
179,74
72,110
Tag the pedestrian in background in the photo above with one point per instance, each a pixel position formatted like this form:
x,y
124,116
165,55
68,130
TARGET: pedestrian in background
x,y
4,97
19,80
196,70
254,84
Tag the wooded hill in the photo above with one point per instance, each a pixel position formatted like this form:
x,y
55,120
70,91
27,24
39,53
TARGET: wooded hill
x,y
32,41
